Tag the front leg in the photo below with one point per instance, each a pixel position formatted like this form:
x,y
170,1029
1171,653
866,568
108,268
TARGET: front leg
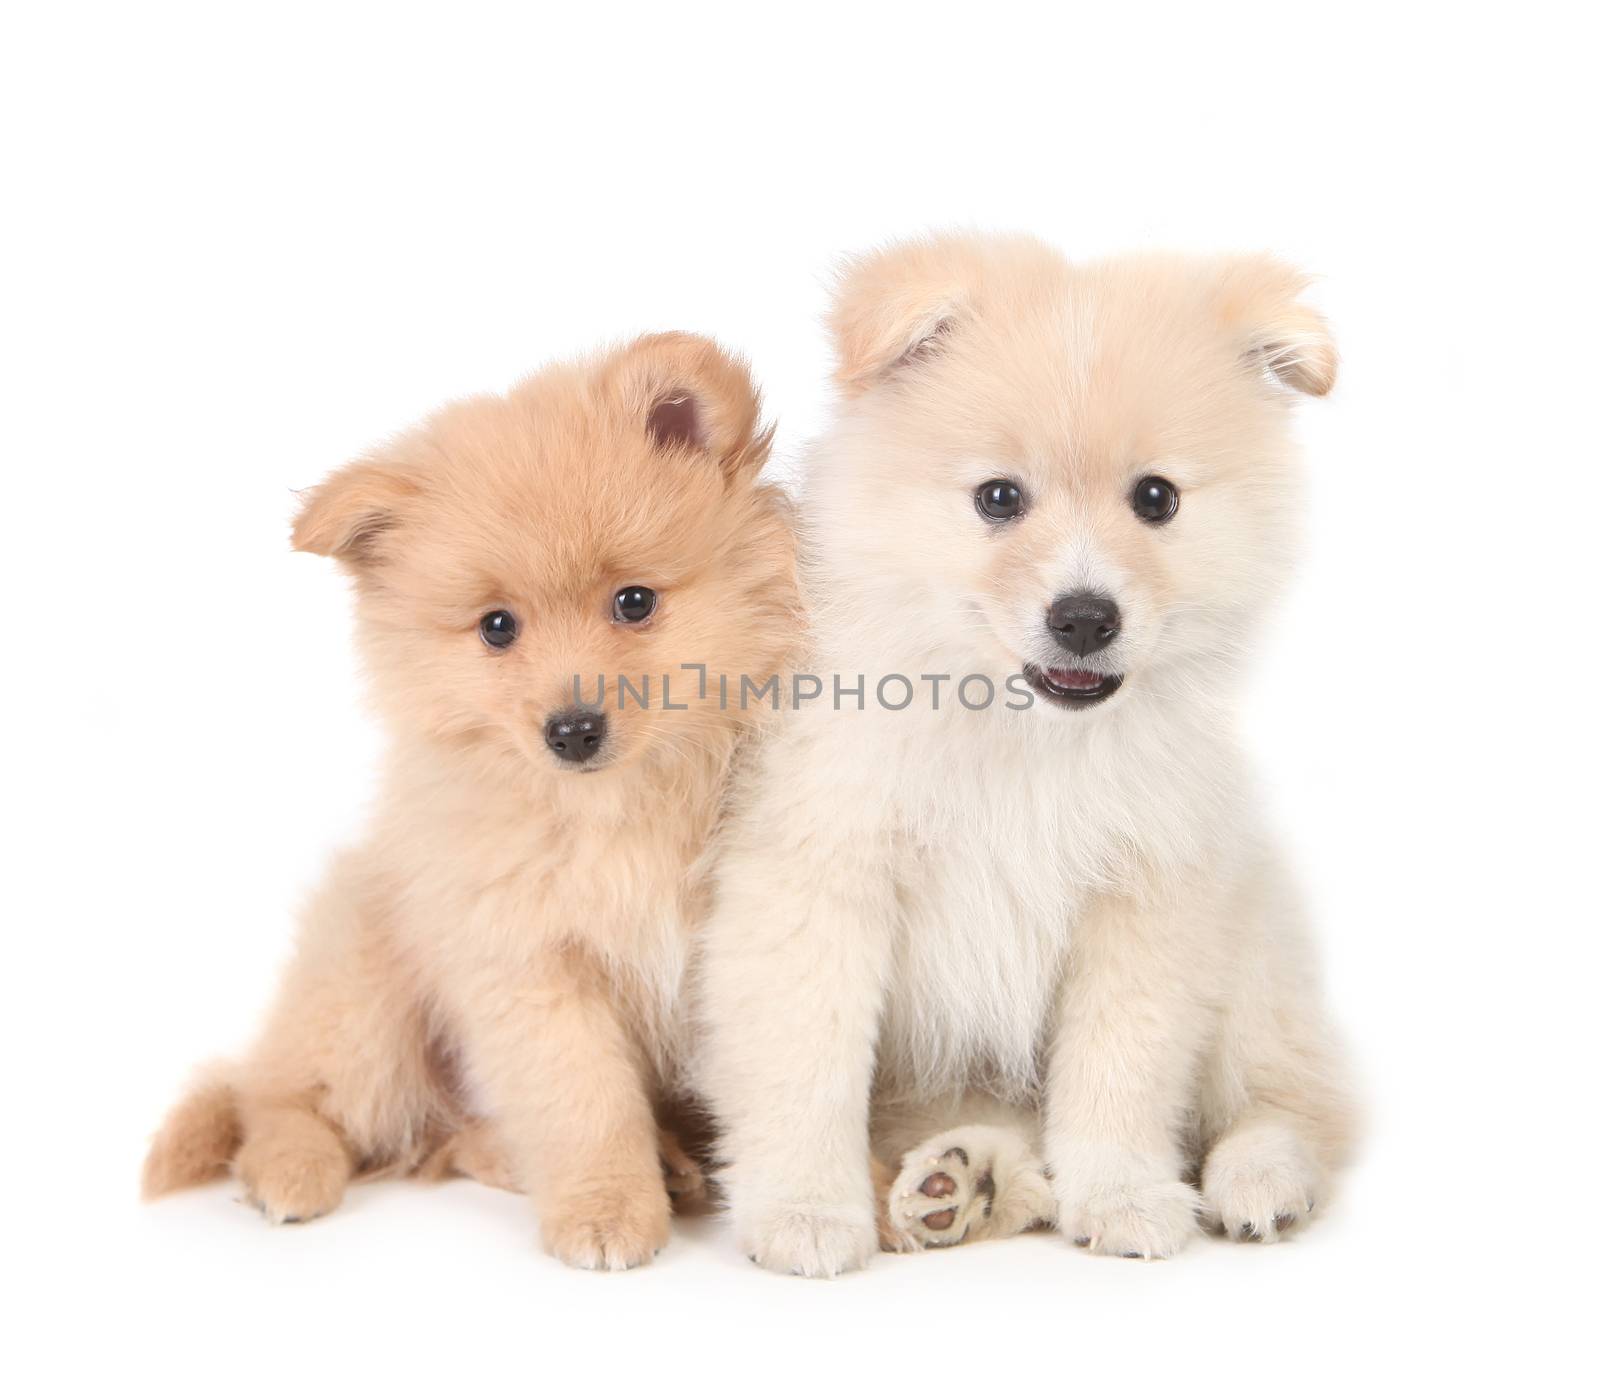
x,y
796,954
1120,1081
567,1084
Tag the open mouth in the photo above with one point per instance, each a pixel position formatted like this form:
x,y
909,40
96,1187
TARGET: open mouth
x,y
1074,687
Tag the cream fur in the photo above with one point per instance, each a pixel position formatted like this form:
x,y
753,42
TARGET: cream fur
x,y
508,942
1065,929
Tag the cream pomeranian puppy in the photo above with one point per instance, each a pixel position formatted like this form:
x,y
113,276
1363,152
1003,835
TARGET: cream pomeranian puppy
x,y
498,965
997,905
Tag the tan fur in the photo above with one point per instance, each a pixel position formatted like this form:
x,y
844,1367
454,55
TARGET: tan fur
x,y
479,1151
197,1142
507,944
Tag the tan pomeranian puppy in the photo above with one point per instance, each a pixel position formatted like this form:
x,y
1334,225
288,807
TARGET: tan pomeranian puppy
x,y
495,971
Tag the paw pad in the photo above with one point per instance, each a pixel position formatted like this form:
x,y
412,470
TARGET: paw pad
x,y
947,1193
949,1179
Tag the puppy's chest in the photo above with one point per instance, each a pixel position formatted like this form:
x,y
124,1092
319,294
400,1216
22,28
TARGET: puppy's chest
x,y
991,881
510,892
615,890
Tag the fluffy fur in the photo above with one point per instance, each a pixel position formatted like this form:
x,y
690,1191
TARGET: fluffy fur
x,y
1043,960
509,941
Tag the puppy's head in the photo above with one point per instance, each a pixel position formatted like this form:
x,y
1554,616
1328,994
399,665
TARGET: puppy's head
x,y
600,520
1082,473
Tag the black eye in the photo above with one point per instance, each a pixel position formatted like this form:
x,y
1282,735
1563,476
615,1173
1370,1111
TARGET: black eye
x,y
498,629
999,500
1154,499
634,604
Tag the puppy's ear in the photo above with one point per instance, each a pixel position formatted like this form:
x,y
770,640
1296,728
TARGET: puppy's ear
x,y
1276,329
687,394
893,306
347,516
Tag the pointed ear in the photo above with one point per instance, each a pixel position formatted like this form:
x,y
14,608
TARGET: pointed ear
x,y
347,516
893,306
687,393
1261,304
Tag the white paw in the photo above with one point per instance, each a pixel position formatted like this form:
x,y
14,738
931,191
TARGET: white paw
x,y
969,1183
1116,1205
939,1194
815,1241
1258,1182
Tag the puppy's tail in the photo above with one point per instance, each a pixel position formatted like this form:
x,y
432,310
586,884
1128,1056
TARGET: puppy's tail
x,y
197,1141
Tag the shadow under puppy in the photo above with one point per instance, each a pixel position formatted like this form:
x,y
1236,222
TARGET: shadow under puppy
x,y
492,977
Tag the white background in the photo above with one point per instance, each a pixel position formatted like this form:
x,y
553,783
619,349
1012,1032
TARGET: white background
x,y
239,247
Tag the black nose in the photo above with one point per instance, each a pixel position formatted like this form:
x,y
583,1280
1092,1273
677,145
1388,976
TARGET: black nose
x,y
1084,624
575,736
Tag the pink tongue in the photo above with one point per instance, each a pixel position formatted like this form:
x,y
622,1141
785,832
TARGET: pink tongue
x,y
1073,677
